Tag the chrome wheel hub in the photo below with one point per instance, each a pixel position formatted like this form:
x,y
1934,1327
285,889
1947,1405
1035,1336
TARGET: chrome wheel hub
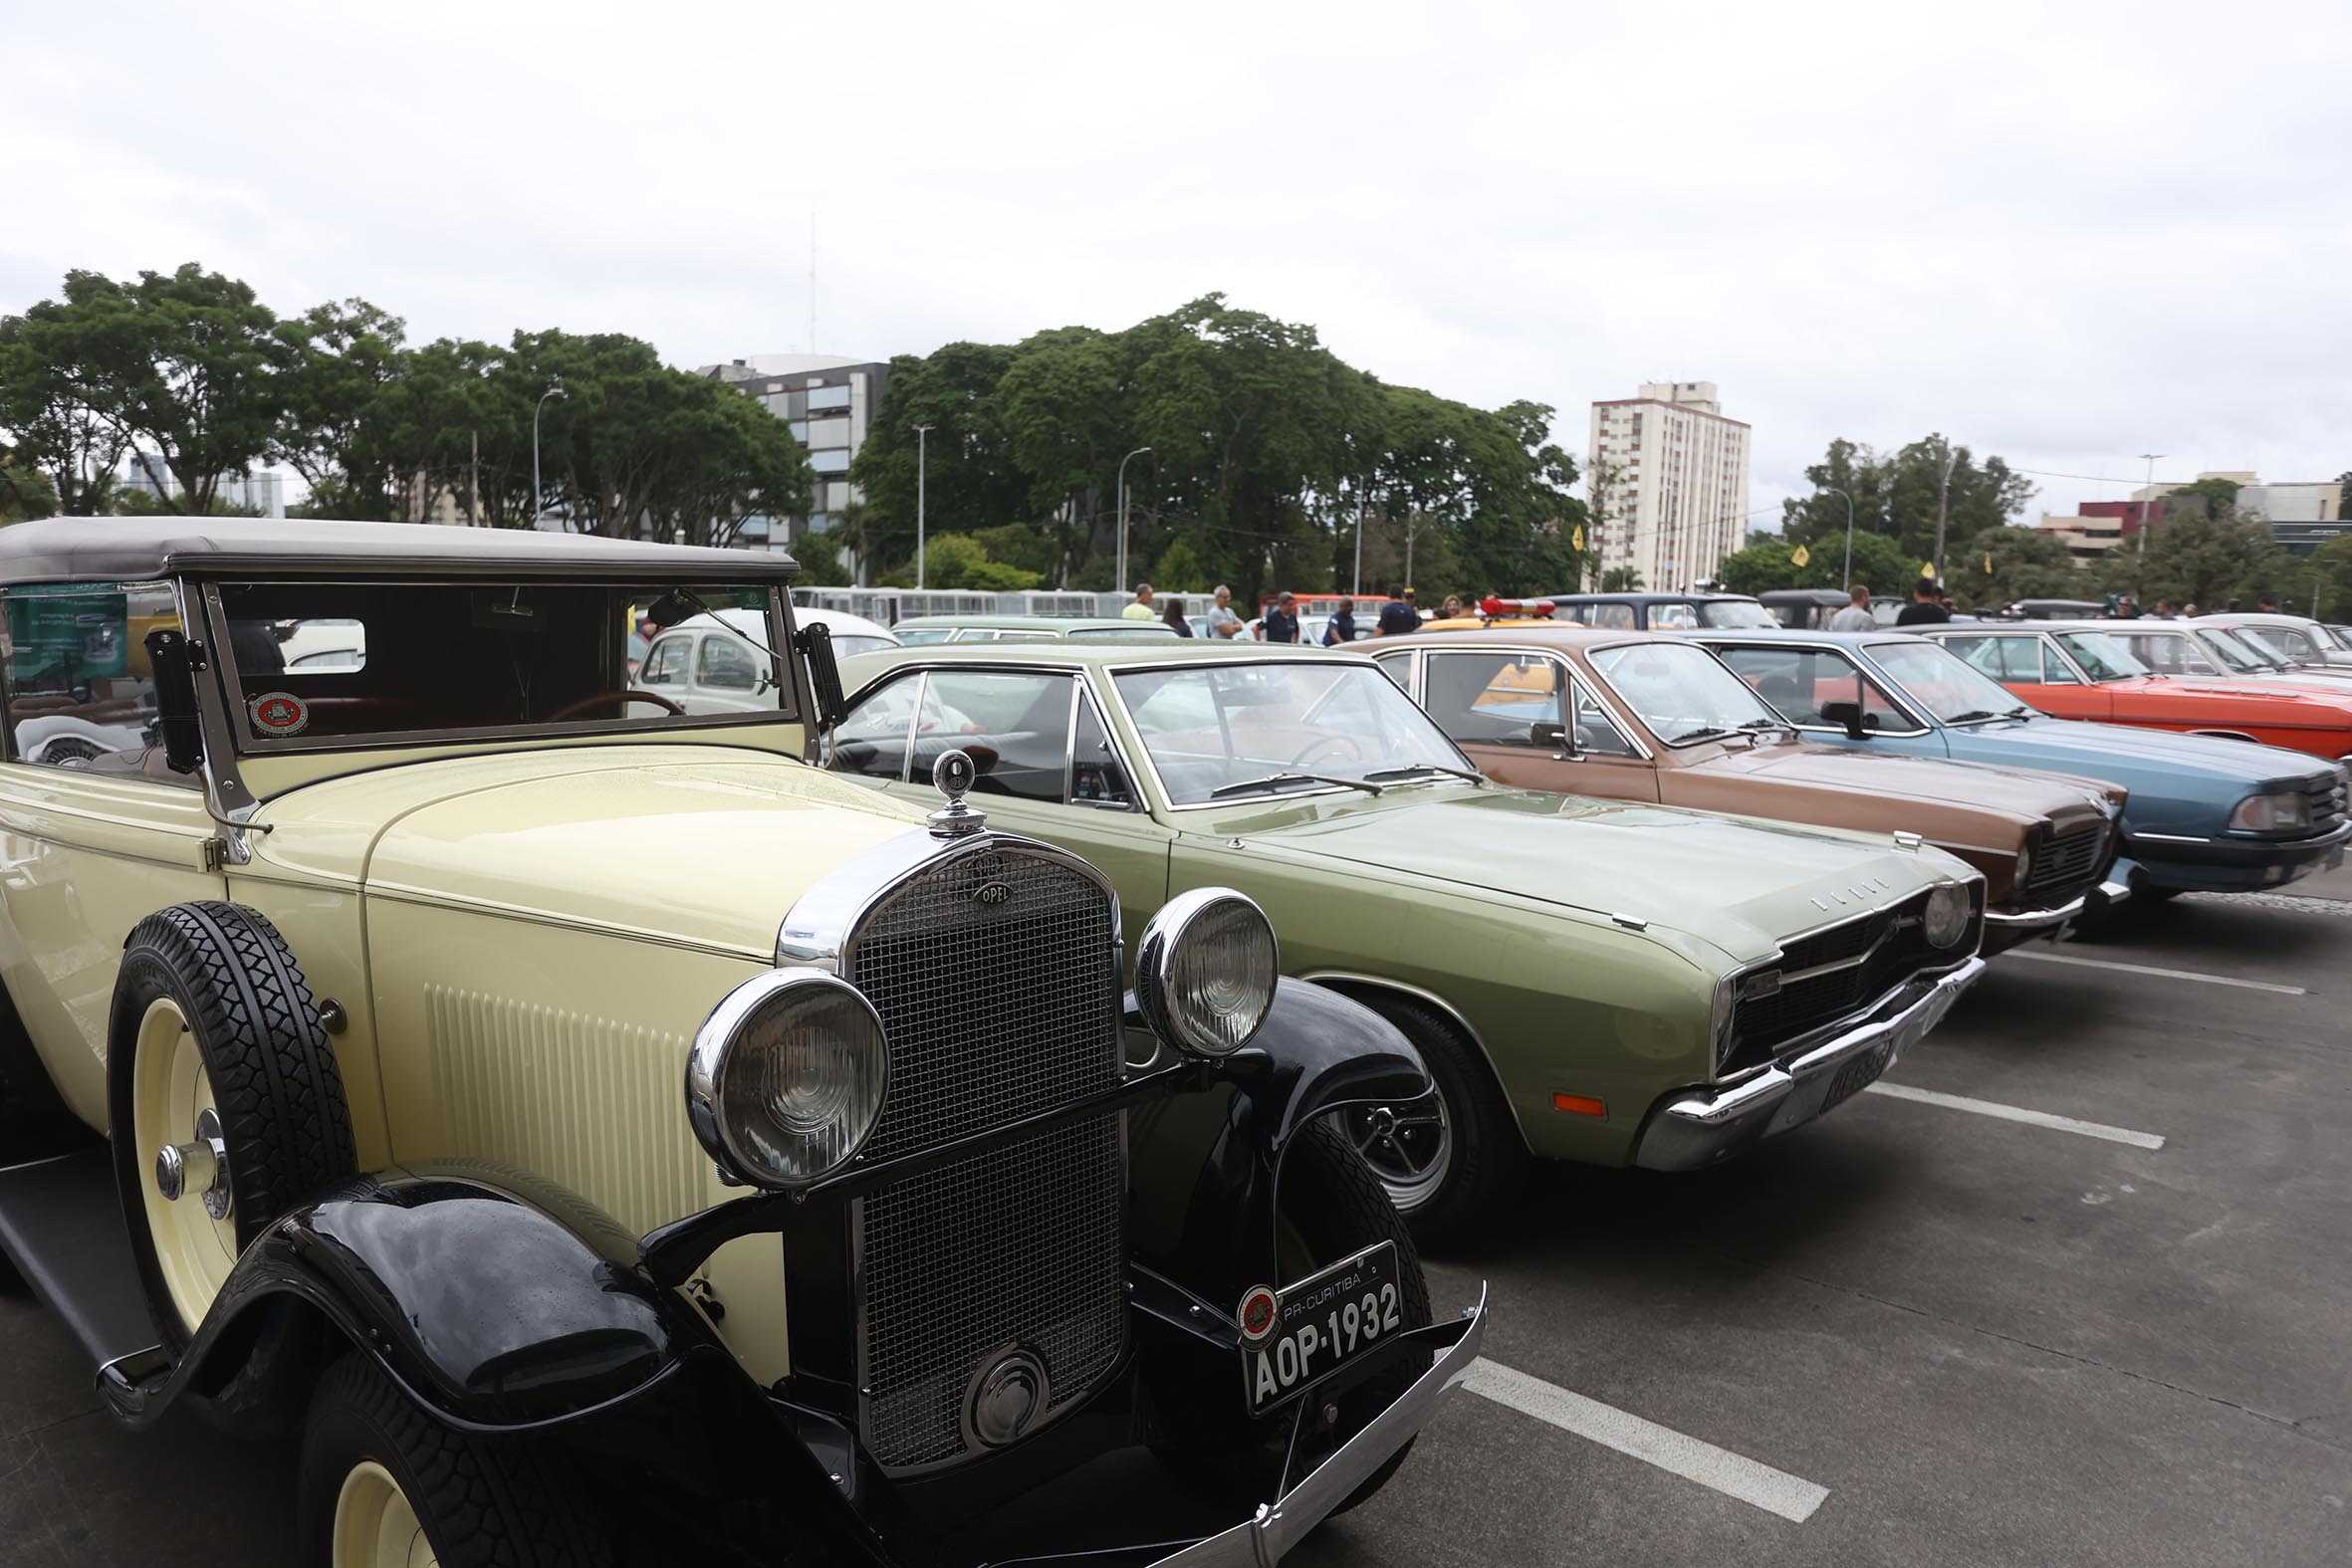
x,y
1409,1147
201,1167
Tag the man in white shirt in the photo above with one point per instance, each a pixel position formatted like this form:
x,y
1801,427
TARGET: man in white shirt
x,y
1141,609
1855,617
1223,623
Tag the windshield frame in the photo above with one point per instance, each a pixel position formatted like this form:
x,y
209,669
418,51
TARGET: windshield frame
x,y
1919,709
2067,642
223,679
1114,697
1602,677
2216,643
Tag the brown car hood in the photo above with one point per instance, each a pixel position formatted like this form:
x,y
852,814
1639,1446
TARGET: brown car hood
x,y
1948,803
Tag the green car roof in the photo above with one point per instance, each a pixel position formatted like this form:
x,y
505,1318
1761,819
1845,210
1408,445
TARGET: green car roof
x,y
864,667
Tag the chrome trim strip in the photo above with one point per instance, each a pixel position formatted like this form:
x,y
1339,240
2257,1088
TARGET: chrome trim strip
x,y
2175,838
1279,1525
818,929
2035,918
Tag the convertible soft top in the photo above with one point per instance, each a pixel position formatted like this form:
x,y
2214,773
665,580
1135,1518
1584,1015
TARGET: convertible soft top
x,y
86,550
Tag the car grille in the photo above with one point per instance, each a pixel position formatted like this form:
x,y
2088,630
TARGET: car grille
x,y
994,972
1854,964
2326,792
2070,858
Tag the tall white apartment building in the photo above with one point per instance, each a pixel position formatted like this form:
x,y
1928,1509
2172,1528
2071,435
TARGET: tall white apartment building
x,y
1669,480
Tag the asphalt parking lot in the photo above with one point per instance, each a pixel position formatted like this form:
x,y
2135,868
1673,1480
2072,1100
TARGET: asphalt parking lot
x,y
2116,1331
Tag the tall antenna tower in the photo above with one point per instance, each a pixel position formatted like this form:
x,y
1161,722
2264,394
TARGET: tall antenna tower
x,y
812,281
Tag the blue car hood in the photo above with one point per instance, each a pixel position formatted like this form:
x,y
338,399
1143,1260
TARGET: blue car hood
x,y
2180,783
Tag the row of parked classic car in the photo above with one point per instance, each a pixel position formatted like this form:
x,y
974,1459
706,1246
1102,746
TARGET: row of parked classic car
x,y
609,1100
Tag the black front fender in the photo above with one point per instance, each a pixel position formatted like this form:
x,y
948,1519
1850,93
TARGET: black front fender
x,y
497,1302
1207,1169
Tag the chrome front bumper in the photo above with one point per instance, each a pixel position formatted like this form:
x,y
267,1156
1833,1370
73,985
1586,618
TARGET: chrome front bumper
x,y
1701,1127
2037,919
1283,1523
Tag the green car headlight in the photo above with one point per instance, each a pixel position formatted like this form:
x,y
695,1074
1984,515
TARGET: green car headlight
x,y
2287,811
1947,915
1204,970
786,1077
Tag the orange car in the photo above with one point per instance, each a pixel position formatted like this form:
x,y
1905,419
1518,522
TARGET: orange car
x,y
2079,670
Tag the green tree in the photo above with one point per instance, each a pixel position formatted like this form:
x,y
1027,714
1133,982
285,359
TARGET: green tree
x,y
957,561
1621,580
1180,570
341,357
2026,565
43,402
1768,563
969,477
186,364
25,492
2199,558
1895,494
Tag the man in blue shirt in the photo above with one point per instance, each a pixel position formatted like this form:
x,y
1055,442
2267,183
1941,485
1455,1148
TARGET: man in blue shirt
x,y
1399,617
1282,622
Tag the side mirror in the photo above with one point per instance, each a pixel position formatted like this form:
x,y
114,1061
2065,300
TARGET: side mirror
x,y
824,676
1545,732
1858,724
174,661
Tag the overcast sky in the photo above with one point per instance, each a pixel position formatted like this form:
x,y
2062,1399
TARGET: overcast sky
x,y
2065,233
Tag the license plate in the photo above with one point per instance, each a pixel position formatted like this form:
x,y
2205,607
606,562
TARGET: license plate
x,y
1856,1075
1322,1324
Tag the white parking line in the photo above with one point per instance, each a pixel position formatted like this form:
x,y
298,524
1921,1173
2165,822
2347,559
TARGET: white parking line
x,y
2017,1113
2161,973
1760,1485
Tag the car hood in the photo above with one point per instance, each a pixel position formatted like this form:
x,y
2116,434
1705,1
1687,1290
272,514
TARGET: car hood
x,y
707,845
2018,793
2097,749
2317,694
1737,883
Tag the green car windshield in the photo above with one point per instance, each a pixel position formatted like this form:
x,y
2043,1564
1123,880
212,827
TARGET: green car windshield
x,y
1218,731
2102,659
1683,693
1942,683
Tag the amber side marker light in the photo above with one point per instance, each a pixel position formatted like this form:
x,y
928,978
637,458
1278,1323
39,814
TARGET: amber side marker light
x,y
1579,1105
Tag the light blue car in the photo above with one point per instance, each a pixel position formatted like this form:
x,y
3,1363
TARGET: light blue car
x,y
2206,815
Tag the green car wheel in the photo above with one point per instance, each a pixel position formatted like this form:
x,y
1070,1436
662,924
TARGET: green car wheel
x,y
1447,1161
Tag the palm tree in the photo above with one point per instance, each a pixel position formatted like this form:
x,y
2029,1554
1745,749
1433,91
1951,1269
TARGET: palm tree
x,y
1620,579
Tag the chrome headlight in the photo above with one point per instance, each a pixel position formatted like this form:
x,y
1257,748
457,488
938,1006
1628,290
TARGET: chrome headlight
x,y
1204,970
1948,914
786,1077
2287,811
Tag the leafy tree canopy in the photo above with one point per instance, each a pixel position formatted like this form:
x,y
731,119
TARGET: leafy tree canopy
x,y
1895,494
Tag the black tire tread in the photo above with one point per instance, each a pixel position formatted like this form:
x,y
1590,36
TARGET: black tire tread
x,y
276,1084
1489,1159
484,1502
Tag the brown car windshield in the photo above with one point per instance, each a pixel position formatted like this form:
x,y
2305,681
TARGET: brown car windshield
x,y
341,664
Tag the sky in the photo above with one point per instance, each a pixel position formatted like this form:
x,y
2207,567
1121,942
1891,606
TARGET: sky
x,y
2069,234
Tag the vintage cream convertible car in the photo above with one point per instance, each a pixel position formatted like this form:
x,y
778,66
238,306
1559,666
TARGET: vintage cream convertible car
x,y
613,1138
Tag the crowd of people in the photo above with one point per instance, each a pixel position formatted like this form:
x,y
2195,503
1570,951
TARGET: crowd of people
x,y
1399,616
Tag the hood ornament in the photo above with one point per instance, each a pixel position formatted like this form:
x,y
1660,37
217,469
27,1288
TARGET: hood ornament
x,y
952,776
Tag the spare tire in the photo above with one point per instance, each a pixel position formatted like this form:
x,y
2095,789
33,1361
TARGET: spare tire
x,y
224,1099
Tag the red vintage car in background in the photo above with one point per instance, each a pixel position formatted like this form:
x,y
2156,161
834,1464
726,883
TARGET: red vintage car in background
x,y
2084,670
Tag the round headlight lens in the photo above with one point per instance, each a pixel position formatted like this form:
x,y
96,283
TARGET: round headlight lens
x,y
1204,970
787,1077
1948,915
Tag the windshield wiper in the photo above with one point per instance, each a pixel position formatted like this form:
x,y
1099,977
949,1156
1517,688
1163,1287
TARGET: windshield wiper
x,y
1753,725
1709,731
1426,768
1273,780
2019,712
1971,716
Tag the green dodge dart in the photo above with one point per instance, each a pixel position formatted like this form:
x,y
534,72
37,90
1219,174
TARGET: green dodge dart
x,y
1588,979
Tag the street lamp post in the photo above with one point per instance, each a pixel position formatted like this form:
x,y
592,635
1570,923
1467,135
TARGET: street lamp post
x,y
1122,574
555,388
1943,503
1833,490
921,476
2147,507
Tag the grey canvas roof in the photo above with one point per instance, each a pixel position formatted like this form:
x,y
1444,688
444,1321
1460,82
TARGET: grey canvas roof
x,y
102,550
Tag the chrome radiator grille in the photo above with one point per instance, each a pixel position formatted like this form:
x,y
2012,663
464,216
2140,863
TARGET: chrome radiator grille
x,y
994,973
2069,858
1831,973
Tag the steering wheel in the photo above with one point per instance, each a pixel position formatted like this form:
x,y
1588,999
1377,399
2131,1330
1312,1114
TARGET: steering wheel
x,y
1315,747
572,710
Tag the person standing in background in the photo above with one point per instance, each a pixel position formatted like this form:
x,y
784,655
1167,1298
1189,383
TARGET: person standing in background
x,y
1174,616
1399,617
1856,616
1927,606
1141,609
1281,624
1341,631
1223,623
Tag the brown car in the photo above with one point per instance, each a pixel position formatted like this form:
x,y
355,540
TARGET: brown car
x,y
1632,717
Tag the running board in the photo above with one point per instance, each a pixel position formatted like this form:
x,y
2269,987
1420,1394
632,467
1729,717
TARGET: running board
x,y
61,1226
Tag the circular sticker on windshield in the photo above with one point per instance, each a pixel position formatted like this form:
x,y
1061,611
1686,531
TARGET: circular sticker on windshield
x,y
277,715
